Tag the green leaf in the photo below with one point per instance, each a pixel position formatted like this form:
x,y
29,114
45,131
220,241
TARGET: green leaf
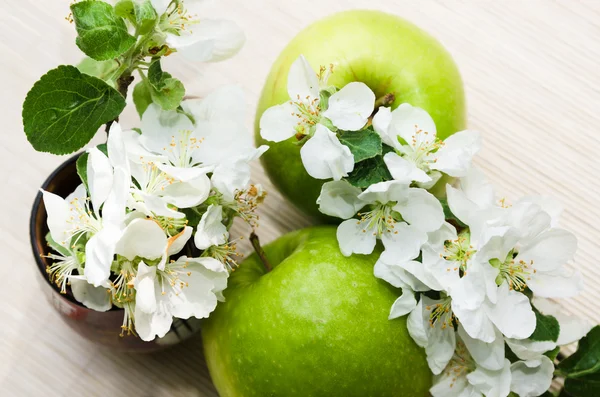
x,y
101,69
81,166
56,246
165,90
584,386
586,360
155,74
369,172
101,33
552,354
140,13
65,108
546,328
364,144
142,98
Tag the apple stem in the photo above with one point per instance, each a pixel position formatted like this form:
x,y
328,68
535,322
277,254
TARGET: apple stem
x,y
385,100
260,252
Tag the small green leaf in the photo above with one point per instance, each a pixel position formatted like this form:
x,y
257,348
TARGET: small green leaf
x,y
140,13
101,33
101,69
546,328
584,386
170,95
364,144
369,172
65,108
586,360
552,354
81,166
56,246
142,97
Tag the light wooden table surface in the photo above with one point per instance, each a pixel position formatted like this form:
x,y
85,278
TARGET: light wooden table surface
x,y
532,75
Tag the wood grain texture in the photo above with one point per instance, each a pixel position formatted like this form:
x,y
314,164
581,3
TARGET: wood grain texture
x,y
532,77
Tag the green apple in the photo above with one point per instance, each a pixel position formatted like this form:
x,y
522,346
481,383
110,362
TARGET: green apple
x,y
387,53
316,325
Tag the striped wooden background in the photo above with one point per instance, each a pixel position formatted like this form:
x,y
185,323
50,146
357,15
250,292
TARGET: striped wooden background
x,y
532,75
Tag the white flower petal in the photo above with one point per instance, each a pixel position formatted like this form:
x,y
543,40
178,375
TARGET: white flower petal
x,y
160,6
58,215
278,122
95,298
531,381
455,156
303,83
403,170
100,177
188,194
403,242
381,124
325,157
527,349
385,192
228,179
211,40
185,174
143,238
448,385
155,206
421,210
558,284
469,291
477,188
550,250
117,153
176,243
418,325
440,348
224,103
155,324
549,205
160,126
405,304
113,210
339,199
412,124
421,273
492,383
211,231
396,275
145,288
353,239
488,355
512,314
476,323
99,255
350,108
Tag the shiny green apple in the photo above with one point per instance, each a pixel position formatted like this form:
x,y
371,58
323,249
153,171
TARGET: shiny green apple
x,y
316,325
390,55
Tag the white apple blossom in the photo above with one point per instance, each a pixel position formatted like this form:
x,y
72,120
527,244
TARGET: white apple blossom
x,y
348,109
531,379
420,155
184,288
421,212
198,39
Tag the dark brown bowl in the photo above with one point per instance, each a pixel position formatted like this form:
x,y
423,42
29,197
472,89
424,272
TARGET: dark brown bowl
x,y
101,327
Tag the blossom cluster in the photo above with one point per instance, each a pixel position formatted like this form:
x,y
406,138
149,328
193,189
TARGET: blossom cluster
x,y
475,272
147,230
